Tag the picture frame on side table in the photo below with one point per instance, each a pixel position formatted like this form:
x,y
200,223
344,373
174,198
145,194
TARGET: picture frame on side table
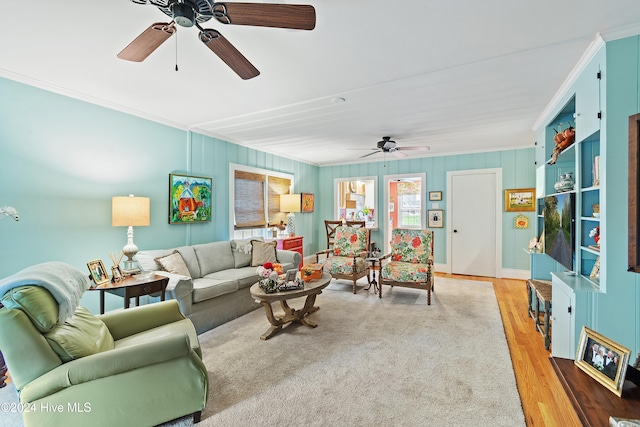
x,y
307,201
189,199
436,218
98,272
520,200
602,359
435,196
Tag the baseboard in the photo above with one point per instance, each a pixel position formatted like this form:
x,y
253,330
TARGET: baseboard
x,y
508,273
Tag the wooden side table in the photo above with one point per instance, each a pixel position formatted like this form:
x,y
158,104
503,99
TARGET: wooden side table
x,y
292,244
132,286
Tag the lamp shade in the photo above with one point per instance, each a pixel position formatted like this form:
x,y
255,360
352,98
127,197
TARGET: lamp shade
x,y
290,203
129,211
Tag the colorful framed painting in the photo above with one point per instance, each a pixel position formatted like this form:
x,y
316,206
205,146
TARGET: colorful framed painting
x,y
308,202
520,200
602,359
189,199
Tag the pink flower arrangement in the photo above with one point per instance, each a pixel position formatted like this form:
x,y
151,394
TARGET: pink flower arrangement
x,y
269,270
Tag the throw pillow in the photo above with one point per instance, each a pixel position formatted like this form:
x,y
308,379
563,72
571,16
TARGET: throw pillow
x,y
83,334
262,252
242,251
173,263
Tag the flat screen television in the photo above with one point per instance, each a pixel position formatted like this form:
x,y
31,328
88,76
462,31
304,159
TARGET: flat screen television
x,y
559,228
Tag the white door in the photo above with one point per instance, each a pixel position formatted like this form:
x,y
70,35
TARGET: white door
x,y
473,211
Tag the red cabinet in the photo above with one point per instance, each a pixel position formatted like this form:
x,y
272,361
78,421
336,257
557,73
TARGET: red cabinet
x,y
292,244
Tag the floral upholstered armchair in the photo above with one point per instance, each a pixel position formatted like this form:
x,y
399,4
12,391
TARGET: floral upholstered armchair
x,y
347,259
411,261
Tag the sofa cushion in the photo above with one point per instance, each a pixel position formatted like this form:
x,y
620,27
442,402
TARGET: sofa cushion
x,y
207,287
36,302
262,252
244,276
214,256
241,249
81,335
173,263
191,260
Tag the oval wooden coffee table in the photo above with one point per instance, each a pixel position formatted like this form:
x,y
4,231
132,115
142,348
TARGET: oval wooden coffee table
x,y
311,289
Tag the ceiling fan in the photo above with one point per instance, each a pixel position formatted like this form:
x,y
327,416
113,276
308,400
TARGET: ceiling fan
x,y
189,13
389,146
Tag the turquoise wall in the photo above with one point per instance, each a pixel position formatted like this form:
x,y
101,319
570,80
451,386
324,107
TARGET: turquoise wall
x,y
62,159
518,171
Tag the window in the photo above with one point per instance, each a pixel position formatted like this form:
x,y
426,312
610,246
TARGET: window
x,y
255,200
410,205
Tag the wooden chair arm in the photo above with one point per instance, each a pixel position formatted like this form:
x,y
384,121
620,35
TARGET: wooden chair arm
x,y
323,252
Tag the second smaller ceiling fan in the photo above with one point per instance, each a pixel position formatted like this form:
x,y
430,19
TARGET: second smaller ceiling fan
x,y
389,146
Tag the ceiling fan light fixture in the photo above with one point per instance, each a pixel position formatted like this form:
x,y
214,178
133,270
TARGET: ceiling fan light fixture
x,y
184,15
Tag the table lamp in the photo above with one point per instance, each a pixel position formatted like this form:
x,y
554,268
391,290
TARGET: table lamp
x,y
290,203
129,211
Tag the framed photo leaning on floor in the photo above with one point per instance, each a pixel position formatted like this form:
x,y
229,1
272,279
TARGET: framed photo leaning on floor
x,y
602,359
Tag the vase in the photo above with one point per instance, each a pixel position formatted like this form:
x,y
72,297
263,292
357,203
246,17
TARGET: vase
x,y
566,182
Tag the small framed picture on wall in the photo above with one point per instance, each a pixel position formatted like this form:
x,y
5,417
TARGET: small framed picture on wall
x,y
434,196
436,218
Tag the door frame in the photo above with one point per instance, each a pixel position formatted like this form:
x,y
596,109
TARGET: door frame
x,y
423,203
498,174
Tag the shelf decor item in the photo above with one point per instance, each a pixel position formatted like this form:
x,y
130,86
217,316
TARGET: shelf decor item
x,y
566,182
189,199
602,359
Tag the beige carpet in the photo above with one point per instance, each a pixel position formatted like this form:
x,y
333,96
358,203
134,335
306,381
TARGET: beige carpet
x,y
370,362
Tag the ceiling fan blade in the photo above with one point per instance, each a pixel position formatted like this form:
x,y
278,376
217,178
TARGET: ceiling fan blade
x,y
398,153
293,16
228,53
367,155
148,41
414,148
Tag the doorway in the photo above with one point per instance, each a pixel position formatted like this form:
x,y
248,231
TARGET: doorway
x,y
474,226
404,204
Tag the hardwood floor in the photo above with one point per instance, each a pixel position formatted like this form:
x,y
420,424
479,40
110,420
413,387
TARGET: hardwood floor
x,y
544,402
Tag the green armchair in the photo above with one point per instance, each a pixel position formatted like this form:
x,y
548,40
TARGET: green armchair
x,y
136,367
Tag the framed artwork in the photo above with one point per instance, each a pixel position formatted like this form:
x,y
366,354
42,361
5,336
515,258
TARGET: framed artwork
x,y
520,200
308,202
435,195
521,222
436,218
392,207
602,359
189,199
98,272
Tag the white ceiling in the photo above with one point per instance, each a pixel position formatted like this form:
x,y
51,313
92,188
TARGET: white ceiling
x,y
457,75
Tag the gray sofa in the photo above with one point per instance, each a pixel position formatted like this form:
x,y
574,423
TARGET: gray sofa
x,y
221,274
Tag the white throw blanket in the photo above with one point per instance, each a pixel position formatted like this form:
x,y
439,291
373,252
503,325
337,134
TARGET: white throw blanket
x,y
64,282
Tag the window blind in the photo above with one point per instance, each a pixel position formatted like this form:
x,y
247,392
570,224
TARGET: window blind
x,y
249,200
